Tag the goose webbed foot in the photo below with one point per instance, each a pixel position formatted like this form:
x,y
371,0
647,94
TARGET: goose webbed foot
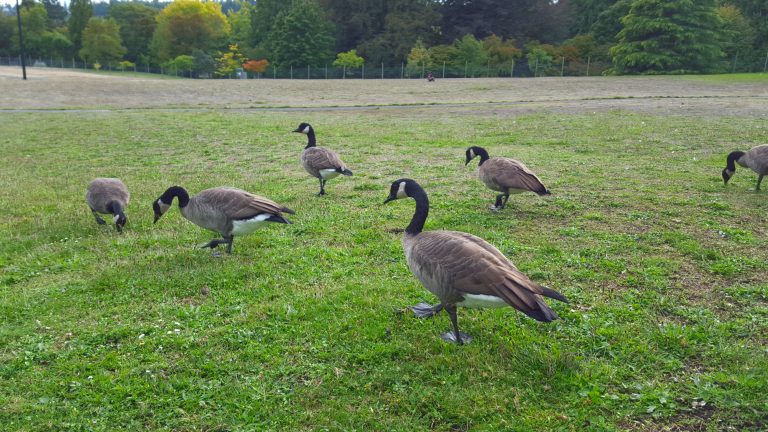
x,y
450,336
501,202
213,244
455,336
322,188
425,310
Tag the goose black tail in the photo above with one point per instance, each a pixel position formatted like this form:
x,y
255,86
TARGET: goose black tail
x,y
549,292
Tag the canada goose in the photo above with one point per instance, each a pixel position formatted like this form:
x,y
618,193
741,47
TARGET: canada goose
x,y
318,161
755,159
229,211
108,196
505,175
464,270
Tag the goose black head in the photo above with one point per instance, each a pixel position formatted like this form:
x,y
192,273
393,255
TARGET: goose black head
x,y
727,174
473,152
160,207
304,128
730,165
120,220
402,188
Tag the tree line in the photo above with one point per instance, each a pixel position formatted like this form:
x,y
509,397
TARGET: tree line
x,y
216,38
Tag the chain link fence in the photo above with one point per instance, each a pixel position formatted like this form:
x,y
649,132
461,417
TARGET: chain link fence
x,y
519,68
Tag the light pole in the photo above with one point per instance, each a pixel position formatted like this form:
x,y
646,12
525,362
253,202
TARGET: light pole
x,y
21,42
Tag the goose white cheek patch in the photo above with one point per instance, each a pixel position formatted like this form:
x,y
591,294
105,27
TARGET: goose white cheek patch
x,y
306,130
401,191
115,218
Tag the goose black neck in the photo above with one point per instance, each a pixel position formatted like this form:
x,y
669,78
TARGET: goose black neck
x,y
482,153
175,192
311,138
732,158
421,213
115,208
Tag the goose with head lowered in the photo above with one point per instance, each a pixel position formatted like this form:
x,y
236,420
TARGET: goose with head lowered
x,y
228,211
508,176
464,270
108,196
755,159
320,162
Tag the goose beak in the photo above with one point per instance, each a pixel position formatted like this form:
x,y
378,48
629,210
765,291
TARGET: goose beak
x,y
157,217
391,198
467,162
297,130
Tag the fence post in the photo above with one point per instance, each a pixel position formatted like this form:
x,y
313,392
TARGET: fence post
x,y
465,69
443,70
589,60
274,72
326,71
291,71
382,70
422,69
307,71
536,70
362,76
344,72
402,70
512,69
562,67
489,68
765,65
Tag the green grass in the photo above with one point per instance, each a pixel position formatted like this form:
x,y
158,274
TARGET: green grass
x,y
304,327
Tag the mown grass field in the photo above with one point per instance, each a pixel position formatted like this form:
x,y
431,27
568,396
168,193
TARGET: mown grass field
x,y
305,326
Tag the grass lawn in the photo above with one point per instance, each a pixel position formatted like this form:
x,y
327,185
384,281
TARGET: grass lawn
x,y
305,326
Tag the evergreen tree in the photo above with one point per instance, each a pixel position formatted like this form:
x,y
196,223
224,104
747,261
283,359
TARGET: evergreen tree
x,y
80,11
301,36
57,14
668,36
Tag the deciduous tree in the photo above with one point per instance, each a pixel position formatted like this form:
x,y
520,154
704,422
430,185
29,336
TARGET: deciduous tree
x,y
101,42
137,24
186,25
80,11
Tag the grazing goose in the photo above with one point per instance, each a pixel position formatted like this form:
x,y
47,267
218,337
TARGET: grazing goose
x,y
464,270
505,175
755,159
108,196
229,211
318,161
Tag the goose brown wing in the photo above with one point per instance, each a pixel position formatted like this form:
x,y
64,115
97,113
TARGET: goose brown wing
x,y
513,174
759,156
236,203
467,264
322,158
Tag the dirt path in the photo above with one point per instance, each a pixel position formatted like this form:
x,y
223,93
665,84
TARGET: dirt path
x,y
66,89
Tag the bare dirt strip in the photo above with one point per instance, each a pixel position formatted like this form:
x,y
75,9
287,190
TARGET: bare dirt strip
x,y
66,89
